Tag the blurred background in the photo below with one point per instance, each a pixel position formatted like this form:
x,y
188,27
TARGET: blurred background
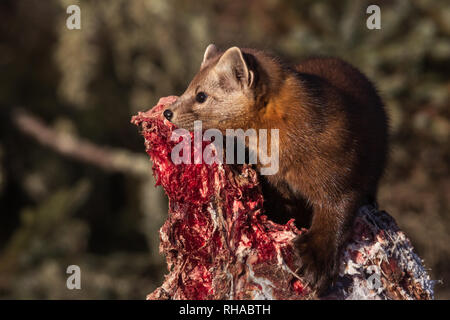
x,y
75,182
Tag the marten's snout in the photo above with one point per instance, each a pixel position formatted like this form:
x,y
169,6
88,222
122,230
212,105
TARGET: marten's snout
x,y
168,114
180,114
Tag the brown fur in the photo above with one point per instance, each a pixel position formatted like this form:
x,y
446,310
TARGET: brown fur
x,y
333,140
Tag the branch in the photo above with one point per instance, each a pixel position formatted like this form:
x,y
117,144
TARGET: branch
x,y
109,159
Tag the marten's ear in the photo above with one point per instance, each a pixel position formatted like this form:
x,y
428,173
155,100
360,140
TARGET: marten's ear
x,y
210,52
233,65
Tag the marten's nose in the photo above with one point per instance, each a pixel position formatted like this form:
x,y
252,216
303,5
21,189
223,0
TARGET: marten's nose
x,y
168,114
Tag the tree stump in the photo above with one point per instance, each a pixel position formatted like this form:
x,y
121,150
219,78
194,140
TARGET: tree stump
x,y
220,244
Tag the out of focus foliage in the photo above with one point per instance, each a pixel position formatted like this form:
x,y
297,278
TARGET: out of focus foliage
x,y
56,211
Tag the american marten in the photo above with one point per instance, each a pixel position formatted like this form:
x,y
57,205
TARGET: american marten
x,y
333,140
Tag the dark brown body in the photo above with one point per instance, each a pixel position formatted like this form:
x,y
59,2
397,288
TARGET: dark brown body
x,y
333,153
333,142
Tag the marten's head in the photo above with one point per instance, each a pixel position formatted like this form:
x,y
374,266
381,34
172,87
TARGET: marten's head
x,y
221,95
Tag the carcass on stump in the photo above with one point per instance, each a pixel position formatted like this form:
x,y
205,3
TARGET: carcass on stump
x,y
220,244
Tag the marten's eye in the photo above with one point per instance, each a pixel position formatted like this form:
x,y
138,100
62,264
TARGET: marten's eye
x,y
201,97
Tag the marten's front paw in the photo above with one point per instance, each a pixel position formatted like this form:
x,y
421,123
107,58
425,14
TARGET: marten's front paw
x,y
317,261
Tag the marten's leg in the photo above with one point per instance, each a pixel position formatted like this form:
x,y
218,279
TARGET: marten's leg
x,y
281,205
319,249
